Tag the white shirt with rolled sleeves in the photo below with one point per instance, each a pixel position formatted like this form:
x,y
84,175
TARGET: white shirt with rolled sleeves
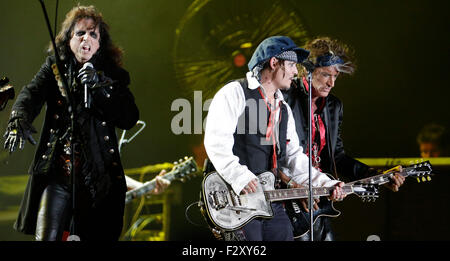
x,y
224,111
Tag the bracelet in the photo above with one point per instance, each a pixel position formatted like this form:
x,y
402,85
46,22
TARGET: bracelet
x,y
290,183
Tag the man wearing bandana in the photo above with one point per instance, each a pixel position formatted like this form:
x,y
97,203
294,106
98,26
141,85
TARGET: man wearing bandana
x,y
330,58
240,149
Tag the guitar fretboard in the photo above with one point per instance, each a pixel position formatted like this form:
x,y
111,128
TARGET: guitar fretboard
x,y
381,178
285,194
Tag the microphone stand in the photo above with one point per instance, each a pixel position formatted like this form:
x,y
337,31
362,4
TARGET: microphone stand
x,y
124,141
71,112
310,194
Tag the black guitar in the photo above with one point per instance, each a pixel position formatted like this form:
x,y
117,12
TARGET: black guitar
x,y
300,218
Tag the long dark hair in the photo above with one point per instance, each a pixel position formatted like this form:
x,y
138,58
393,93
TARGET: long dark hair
x,y
107,53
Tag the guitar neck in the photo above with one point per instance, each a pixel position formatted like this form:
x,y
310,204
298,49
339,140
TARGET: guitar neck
x,y
296,193
148,186
381,178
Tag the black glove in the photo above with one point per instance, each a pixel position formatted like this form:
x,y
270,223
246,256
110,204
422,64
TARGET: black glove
x,y
94,79
89,76
17,132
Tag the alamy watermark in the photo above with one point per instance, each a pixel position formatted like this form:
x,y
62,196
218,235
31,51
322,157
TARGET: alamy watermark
x,y
190,118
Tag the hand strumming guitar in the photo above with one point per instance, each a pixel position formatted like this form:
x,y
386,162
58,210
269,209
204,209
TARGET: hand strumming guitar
x,y
250,187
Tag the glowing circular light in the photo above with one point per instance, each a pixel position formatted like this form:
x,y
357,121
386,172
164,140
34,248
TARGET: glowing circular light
x,y
239,60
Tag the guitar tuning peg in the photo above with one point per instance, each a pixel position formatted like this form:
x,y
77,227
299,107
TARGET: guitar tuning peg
x,y
428,178
418,179
185,157
423,179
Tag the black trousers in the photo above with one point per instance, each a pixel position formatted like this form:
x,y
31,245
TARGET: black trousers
x,y
278,228
91,223
54,213
322,231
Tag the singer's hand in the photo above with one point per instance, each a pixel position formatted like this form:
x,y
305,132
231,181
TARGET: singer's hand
x,y
17,132
88,75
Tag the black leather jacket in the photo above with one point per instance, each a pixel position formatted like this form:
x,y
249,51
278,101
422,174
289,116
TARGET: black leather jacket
x,y
334,159
112,106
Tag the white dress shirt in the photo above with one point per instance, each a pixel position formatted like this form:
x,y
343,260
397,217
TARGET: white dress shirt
x,y
224,111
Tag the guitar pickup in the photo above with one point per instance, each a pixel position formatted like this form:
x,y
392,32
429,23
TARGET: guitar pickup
x,y
218,199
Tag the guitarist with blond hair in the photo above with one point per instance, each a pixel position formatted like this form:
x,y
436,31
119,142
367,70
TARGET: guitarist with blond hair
x,y
331,58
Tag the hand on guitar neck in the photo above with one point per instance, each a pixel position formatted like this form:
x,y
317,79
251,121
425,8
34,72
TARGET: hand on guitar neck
x,y
337,195
161,183
396,180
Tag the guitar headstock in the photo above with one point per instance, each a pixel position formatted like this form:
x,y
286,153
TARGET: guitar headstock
x,y
420,170
184,168
367,192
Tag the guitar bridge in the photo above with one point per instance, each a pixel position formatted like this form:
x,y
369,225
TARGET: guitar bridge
x,y
218,199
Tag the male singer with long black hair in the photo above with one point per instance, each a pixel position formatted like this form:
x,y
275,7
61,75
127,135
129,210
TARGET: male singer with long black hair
x,y
46,207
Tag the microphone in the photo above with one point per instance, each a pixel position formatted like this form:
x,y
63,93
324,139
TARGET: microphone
x,y
309,66
86,100
86,65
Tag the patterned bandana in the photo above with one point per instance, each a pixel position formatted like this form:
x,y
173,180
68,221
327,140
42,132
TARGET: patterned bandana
x,y
330,59
288,56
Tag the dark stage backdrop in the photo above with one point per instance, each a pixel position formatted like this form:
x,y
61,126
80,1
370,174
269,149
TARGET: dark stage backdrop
x,y
402,50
